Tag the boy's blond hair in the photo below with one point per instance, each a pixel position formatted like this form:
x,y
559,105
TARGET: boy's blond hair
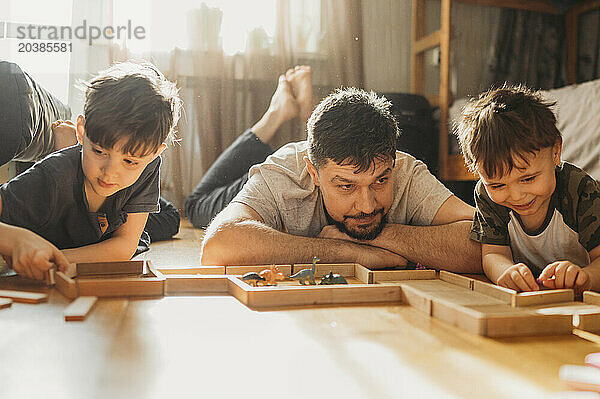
x,y
502,124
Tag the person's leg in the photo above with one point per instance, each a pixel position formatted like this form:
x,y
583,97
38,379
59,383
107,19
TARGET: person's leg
x,y
14,127
27,112
228,174
225,178
164,224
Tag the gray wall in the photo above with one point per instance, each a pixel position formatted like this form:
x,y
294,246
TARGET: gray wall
x,y
386,45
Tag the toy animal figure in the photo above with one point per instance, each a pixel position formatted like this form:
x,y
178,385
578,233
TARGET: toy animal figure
x,y
253,278
272,275
306,274
331,279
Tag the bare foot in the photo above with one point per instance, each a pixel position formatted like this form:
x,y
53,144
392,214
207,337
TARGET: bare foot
x,y
282,108
301,79
64,134
283,101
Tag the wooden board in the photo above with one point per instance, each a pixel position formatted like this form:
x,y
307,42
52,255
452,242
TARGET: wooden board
x,y
474,306
105,268
291,293
479,313
211,270
543,297
182,284
66,285
269,297
401,275
583,378
241,270
80,308
23,296
591,297
456,279
5,303
121,287
504,294
321,269
416,298
363,274
151,284
458,316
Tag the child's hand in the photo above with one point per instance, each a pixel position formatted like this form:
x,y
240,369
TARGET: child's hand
x,y
519,278
565,274
32,255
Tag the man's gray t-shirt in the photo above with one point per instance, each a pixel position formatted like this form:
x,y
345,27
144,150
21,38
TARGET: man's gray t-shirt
x,y
282,192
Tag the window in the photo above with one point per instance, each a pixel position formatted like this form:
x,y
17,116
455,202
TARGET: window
x,y
50,69
211,25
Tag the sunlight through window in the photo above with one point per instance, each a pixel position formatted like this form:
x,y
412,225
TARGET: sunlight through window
x,y
214,25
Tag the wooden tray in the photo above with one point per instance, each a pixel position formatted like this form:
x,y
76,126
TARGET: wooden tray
x,y
148,284
471,305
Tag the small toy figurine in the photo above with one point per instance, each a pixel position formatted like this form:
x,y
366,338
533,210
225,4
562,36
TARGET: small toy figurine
x,y
252,278
272,275
331,279
306,274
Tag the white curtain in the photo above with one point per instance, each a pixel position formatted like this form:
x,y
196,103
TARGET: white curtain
x,y
225,56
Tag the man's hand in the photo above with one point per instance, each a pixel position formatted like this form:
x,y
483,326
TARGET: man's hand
x,y
32,255
519,278
378,258
331,231
565,274
369,256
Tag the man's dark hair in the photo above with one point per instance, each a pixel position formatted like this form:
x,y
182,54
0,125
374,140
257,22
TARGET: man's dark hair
x,y
503,124
134,101
352,127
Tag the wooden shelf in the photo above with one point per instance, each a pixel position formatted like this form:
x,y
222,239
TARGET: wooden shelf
x,y
457,170
451,166
542,6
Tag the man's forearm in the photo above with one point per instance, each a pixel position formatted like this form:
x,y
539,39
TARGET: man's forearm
x,y
445,247
251,242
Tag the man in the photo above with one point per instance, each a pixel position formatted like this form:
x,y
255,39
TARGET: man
x,y
344,195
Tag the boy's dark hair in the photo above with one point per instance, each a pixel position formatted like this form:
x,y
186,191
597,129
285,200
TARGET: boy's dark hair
x,y
135,101
353,127
504,123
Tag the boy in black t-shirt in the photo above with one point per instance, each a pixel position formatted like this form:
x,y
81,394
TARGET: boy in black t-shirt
x,y
92,200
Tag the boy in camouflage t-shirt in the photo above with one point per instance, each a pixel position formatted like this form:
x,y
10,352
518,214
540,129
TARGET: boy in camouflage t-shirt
x,y
535,215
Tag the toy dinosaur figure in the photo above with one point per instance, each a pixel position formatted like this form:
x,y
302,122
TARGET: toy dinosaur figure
x,y
272,275
331,279
252,278
306,274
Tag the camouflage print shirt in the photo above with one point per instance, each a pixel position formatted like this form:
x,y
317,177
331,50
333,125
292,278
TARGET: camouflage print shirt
x,y
570,230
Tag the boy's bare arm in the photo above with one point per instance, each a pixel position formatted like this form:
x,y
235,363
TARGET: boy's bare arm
x,y
121,246
238,236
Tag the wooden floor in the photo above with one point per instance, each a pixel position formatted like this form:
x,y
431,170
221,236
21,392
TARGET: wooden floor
x,y
215,347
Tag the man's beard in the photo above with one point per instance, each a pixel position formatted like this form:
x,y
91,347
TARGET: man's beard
x,y
363,235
